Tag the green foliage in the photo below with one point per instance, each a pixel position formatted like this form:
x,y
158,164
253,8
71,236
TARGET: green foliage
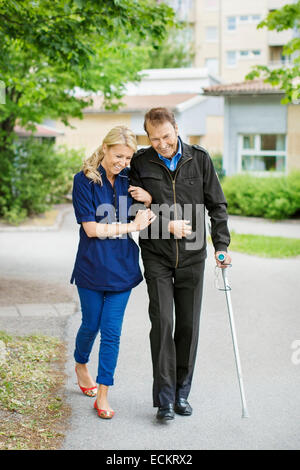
x,y
268,197
265,246
31,405
174,52
217,160
286,78
33,176
49,48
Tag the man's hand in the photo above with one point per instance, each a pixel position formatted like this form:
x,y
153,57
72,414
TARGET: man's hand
x,y
140,195
226,261
180,228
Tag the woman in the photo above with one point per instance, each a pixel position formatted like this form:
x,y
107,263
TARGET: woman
x,y
107,261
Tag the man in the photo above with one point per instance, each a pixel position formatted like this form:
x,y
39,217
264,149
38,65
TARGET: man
x,y
180,178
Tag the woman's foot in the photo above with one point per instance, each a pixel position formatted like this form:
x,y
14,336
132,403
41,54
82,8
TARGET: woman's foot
x,y
85,382
101,404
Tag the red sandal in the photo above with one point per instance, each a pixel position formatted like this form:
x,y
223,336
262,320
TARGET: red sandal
x,y
87,391
104,414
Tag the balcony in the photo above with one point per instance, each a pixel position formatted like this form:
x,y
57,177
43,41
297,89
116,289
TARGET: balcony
x,y
276,38
275,64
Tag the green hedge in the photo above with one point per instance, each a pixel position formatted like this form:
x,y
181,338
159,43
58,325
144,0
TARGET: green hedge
x,y
217,160
33,176
269,197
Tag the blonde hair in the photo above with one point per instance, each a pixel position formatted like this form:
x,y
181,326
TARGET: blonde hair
x,y
119,135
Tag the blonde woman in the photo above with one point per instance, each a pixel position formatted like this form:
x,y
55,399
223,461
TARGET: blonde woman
x,y
107,261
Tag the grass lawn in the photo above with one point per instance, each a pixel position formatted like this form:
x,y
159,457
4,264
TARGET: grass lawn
x,y
33,413
265,246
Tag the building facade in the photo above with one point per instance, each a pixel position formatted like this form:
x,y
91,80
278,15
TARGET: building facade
x,y
225,36
261,135
200,118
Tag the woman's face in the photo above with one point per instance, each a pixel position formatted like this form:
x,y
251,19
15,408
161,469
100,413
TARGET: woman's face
x,y
116,158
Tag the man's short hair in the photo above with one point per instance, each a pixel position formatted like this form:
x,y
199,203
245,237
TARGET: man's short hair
x,y
158,116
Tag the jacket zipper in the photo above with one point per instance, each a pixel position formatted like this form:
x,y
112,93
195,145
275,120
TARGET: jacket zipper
x,y
174,197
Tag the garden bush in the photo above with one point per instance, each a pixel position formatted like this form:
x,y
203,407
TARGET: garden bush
x,y
35,175
217,160
270,197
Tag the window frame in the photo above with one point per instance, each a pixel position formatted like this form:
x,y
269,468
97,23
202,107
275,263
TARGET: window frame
x,y
236,59
232,30
258,152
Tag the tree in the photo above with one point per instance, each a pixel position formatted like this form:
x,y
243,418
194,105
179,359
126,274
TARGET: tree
x,y
287,78
175,51
51,47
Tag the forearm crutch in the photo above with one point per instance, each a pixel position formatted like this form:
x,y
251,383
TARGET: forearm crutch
x,y
227,290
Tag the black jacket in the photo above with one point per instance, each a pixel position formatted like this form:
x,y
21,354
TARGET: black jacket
x,y
187,191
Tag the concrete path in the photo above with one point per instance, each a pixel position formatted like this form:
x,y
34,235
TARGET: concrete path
x,y
258,226
266,298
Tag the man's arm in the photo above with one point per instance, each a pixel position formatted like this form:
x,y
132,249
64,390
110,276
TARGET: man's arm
x,y
136,182
216,205
178,228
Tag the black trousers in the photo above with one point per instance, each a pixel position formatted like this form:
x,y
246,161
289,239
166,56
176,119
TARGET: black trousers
x,y
173,338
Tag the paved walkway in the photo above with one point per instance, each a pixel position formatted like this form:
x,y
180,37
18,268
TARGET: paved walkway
x,y
251,225
286,228
39,310
258,226
266,298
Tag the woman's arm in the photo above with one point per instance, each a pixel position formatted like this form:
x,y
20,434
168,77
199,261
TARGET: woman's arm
x,y
142,219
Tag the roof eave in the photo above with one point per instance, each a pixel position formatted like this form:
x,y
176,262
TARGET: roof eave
x,y
243,93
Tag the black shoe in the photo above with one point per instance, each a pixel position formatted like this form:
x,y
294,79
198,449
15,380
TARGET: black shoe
x,y
182,407
165,413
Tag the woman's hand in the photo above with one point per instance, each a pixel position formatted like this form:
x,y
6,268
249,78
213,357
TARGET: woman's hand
x,y
143,218
140,195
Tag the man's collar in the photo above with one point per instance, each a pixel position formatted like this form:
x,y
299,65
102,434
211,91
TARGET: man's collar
x,y
186,151
179,151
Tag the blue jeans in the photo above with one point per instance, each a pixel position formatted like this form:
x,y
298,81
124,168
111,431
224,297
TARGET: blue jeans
x,y
104,312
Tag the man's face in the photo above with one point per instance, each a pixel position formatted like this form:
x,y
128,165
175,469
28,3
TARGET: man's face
x,y
163,138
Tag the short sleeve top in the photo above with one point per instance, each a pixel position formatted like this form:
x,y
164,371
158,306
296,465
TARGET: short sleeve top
x,y
110,264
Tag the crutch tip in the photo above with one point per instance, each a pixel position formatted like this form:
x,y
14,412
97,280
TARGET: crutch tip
x,y
245,414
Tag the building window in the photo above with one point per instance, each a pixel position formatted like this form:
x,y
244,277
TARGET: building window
x,y
248,142
261,153
211,34
244,54
212,65
231,23
234,21
255,18
231,59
